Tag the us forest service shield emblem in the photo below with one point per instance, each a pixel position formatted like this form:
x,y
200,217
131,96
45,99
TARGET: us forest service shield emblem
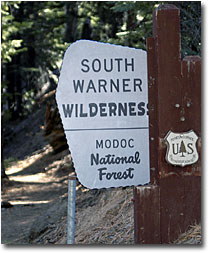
x,y
181,148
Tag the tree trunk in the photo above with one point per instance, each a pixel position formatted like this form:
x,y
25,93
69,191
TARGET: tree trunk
x,y
71,11
53,130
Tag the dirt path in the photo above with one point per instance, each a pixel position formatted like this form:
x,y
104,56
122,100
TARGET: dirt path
x,y
38,193
37,190
35,183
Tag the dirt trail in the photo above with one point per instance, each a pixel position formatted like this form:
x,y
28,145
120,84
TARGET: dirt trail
x,y
37,191
37,177
39,198
35,183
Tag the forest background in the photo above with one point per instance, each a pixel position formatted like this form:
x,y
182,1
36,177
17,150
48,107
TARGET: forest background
x,y
35,35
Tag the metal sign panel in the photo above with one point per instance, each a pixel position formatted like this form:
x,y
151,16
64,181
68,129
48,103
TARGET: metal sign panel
x,y
181,148
102,97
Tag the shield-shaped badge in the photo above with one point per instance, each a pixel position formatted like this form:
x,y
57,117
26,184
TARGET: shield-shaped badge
x,y
181,148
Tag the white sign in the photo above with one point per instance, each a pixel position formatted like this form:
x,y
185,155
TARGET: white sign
x,y
102,97
181,148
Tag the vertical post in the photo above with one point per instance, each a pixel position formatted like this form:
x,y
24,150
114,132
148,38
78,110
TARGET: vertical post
x,y
172,202
71,209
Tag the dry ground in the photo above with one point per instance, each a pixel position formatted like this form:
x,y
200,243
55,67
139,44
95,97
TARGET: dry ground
x,y
38,194
37,191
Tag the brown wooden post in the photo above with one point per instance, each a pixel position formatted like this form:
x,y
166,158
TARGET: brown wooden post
x,y
172,202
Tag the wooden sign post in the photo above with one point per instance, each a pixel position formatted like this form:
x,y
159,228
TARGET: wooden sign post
x,y
172,201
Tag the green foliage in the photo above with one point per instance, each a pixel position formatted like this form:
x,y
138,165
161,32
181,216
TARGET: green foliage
x,y
124,6
28,100
36,34
190,14
8,162
9,46
32,46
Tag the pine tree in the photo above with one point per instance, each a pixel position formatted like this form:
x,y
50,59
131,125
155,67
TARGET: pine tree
x,y
182,149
